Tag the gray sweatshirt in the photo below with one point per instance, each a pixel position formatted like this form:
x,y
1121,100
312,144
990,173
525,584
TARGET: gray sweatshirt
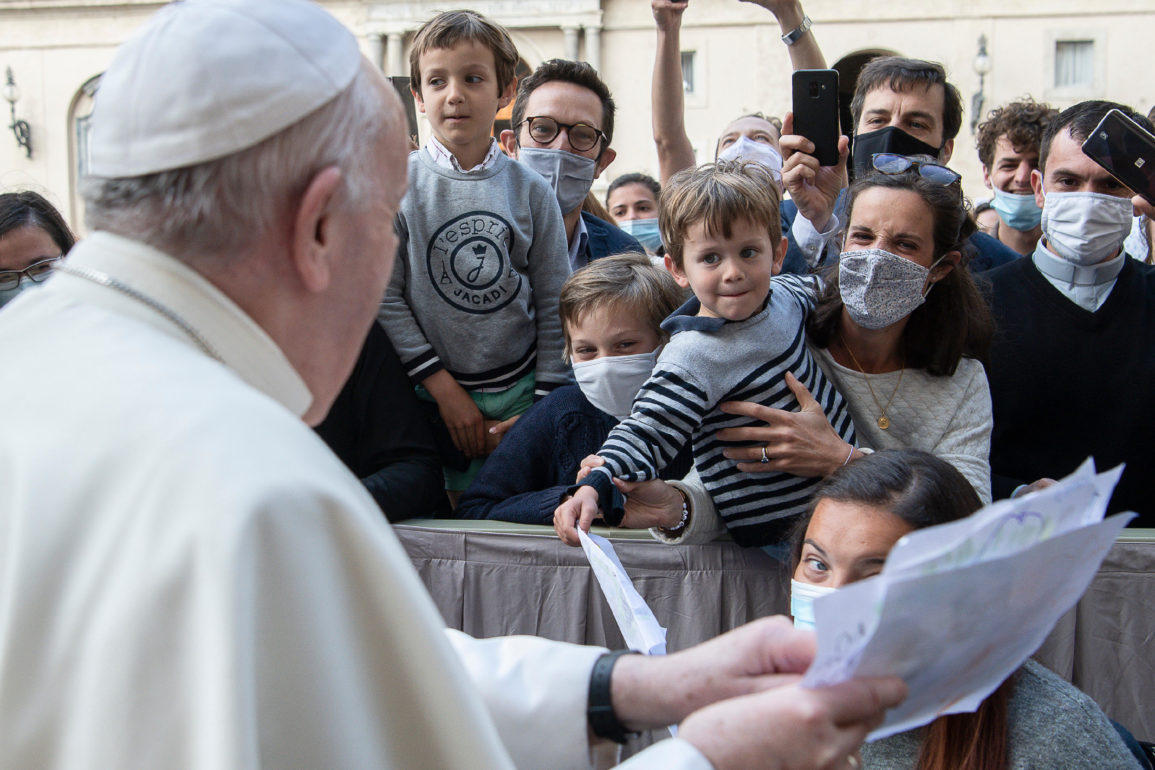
x,y
1051,724
481,261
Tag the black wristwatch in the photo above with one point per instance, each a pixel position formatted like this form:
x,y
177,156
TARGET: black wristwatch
x,y
600,712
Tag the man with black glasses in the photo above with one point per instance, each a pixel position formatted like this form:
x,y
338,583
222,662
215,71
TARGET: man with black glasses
x,y
563,122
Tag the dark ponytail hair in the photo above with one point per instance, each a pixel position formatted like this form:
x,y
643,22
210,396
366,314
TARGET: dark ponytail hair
x,y
954,321
919,488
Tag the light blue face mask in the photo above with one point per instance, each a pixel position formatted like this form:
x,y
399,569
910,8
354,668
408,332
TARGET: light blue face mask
x,y
645,230
1019,212
802,596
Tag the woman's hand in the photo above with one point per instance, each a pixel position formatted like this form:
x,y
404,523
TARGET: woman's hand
x,y
652,503
495,431
801,443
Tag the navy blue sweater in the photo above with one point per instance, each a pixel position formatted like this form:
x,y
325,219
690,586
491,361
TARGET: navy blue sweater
x,y
526,476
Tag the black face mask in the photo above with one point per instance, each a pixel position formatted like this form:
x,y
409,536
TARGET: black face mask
x,y
890,139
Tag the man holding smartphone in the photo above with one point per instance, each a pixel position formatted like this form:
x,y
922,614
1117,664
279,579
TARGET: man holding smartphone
x,y
1075,329
903,106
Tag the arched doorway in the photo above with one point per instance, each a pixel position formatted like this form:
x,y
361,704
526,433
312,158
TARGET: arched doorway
x,y
80,125
848,68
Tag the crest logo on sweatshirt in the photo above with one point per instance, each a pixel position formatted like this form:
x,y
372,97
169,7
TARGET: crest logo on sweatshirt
x,y
468,262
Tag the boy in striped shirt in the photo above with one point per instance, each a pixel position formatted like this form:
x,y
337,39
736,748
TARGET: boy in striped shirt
x,y
735,340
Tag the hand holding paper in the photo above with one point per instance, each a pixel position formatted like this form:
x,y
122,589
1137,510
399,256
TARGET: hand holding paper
x,y
959,607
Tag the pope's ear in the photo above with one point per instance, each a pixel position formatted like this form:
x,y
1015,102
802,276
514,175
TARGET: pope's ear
x,y
312,251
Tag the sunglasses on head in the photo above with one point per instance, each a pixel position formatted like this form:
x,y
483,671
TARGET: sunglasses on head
x,y
890,163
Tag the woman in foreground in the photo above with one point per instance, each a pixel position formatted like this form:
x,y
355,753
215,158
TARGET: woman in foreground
x,y
1034,719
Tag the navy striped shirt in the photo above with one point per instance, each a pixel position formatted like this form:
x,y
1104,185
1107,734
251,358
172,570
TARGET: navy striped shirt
x,y
709,361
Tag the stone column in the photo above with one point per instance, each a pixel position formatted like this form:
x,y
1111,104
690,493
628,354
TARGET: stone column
x,y
376,50
594,47
395,55
571,43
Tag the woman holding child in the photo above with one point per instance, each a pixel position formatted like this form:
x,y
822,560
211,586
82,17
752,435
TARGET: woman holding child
x,y
900,328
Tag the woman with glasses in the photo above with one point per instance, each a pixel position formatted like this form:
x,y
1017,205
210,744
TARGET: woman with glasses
x,y
899,328
33,237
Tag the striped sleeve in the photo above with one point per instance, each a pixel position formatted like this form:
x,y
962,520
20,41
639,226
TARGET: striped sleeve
x,y
803,288
668,411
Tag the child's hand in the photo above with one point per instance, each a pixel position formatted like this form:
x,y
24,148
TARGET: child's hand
x,y
577,511
588,464
495,430
464,420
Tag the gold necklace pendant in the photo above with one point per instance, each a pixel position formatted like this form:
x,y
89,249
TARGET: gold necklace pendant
x,y
883,420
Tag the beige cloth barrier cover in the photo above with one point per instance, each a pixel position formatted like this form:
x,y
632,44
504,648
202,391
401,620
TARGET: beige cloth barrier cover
x,y
495,578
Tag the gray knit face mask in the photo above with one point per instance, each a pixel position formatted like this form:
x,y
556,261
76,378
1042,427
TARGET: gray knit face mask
x,y
879,288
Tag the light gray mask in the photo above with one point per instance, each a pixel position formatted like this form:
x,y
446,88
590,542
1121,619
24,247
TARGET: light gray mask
x,y
570,175
879,288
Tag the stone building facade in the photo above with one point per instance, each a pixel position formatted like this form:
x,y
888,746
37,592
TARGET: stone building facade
x,y
1060,51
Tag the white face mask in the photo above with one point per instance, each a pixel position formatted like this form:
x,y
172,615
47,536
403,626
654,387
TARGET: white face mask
x,y
570,175
802,596
879,288
1086,228
758,152
610,383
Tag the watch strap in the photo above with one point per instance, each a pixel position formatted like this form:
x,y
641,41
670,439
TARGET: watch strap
x,y
600,712
791,37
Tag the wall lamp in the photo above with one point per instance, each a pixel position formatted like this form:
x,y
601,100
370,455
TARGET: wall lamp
x,y
982,65
20,128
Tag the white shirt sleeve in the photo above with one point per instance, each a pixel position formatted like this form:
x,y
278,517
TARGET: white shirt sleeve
x,y
817,247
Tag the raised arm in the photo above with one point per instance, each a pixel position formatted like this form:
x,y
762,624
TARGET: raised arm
x,y
668,100
804,53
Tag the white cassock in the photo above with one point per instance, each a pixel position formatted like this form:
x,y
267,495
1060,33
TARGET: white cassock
x,y
189,578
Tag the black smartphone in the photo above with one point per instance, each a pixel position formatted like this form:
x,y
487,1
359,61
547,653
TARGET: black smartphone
x,y
816,112
1126,150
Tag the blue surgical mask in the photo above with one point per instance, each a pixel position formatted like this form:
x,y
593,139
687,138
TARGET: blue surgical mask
x,y
802,596
1018,212
645,230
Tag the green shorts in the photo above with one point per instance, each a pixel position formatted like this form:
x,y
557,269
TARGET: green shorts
x,y
501,405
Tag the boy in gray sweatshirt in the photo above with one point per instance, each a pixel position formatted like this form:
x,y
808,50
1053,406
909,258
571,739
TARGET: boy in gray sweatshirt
x,y
472,303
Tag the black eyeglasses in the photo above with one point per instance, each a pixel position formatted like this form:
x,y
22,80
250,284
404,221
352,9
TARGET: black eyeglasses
x,y
36,272
890,163
544,130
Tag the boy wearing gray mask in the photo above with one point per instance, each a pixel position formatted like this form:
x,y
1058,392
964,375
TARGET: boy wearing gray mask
x,y
472,303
